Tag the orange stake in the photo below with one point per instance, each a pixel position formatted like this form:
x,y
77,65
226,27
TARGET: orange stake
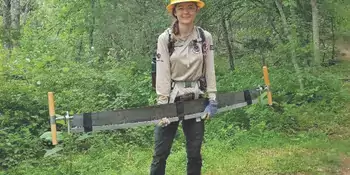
x,y
267,83
52,118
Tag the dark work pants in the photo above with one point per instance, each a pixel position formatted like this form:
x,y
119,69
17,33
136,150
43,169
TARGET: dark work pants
x,y
164,137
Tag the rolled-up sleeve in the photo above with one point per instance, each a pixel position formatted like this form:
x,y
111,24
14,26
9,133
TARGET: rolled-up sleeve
x,y
210,68
163,78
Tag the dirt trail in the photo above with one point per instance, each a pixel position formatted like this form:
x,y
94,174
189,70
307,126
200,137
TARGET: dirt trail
x,y
343,49
345,169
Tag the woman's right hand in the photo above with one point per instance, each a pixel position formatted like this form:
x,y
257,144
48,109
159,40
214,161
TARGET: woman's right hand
x,y
162,100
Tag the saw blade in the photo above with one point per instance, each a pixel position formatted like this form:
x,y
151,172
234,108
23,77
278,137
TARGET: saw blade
x,y
155,122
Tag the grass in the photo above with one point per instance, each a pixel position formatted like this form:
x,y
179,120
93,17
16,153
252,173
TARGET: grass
x,y
305,153
321,150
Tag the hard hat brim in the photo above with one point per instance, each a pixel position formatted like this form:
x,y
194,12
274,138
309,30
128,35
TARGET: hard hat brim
x,y
171,6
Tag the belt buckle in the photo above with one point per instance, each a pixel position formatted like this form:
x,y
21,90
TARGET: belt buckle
x,y
188,84
185,97
188,97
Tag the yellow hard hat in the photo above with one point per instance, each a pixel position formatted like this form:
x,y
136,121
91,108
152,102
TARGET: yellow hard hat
x,y
170,7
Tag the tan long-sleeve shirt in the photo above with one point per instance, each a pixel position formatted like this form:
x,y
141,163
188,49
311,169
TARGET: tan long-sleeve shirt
x,y
185,63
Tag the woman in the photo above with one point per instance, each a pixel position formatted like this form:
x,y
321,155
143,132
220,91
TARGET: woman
x,y
179,68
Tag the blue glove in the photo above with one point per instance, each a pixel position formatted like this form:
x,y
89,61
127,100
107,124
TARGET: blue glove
x,y
211,109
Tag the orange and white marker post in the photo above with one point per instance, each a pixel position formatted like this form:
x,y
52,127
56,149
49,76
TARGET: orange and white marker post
x,y
52,118
267,83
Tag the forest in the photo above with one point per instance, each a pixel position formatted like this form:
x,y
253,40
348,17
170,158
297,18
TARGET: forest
x,y
95,55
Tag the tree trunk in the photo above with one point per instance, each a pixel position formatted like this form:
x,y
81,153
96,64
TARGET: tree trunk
x,y
15,20
271,20
6,8
316,34
26,12
228,44
283,16
333,37
15,14
292,37
79,50
92,25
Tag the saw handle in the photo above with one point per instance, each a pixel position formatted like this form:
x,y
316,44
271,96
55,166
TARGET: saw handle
x,y
267,83
52,118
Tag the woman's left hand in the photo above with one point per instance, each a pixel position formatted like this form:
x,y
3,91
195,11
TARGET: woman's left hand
x,y
211,109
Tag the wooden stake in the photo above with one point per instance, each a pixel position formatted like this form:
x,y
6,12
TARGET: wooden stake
x,y
267,83
52,118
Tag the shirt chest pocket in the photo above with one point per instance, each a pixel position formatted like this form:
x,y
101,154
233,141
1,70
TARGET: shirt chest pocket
x,y
187,55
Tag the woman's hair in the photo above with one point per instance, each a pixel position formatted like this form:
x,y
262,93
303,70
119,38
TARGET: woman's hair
x,y
175,26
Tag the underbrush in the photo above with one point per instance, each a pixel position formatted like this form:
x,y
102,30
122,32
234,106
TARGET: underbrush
x,y
315,111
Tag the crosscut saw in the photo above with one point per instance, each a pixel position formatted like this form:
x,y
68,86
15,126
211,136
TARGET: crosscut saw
x,y
151,115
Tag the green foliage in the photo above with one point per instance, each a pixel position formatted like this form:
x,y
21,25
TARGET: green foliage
x,y
95,56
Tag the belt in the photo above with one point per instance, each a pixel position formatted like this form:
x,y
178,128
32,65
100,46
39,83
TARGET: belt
x,y
179,101
187,97
186,84
184,91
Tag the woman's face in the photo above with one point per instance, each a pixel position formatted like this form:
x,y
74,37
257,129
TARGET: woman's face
x,y
186,12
